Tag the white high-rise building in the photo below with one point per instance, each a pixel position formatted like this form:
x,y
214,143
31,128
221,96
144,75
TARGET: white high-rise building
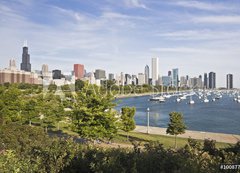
x,y
122,79
155,72
141,78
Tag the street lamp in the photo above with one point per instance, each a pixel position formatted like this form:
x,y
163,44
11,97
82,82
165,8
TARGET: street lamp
x,y
148,120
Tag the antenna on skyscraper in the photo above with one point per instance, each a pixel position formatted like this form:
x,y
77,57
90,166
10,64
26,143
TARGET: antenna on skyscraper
x,y
25,43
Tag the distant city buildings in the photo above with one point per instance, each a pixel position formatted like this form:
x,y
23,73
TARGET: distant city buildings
x,y
229,81
155,72
196,83
78,71
25,65
13,75
183,82
45,76
166,81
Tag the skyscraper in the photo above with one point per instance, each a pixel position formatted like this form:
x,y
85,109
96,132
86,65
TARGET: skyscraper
x,y
78,71
44,69
212,80
141,78
110,76
175,77
205,83
25,65
155,74
229,81
169,73
57,74
128,79
100,74
12,64
146,72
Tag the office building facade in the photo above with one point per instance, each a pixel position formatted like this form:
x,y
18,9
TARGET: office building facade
x,y
147,74
13,75
212,80
229,81
100,74
78,71
155,72
175,77
25,65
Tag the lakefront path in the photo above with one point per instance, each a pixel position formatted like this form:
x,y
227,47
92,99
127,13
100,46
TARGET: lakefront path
x,y
219,137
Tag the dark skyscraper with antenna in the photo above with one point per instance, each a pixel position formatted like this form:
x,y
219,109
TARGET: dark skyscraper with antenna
x,y
25,65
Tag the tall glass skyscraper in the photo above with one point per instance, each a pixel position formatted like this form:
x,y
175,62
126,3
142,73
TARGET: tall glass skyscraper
x,y
205,83
229,81
155,73
146,72
212,80
25,65
175,77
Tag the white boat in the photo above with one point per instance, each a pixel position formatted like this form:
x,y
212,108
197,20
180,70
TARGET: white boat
x,y
238,100
213,99
191,102
154,99
161,99
183,97
167,96
205,100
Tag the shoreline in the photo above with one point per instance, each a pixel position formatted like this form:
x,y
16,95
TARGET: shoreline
x,y
201,135
132,95
118,96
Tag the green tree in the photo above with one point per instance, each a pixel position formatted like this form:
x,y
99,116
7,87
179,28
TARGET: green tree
x,y
127,119
176,125
11,104
30,110
93,114
79,84
51,110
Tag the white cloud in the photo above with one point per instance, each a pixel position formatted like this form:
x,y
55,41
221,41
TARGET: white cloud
x,y
203,5
178,49
220,19
135,4
204,34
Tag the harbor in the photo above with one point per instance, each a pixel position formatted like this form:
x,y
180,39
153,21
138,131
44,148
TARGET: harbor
x,y
207,111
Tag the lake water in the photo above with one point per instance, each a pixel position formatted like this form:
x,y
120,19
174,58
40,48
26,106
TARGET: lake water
x,y
222,116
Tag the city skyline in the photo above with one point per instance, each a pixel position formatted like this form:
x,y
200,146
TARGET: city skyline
x,y
194,36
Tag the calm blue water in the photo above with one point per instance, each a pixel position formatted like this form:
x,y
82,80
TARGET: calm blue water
x,y
222,116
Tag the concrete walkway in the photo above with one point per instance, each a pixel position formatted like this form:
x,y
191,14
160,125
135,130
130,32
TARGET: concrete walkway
x,y
219,137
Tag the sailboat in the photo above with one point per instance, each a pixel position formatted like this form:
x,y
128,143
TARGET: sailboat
x,y
167,94
191,102
205,99
161,98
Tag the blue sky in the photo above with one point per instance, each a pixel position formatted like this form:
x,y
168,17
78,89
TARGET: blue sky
x,y
123,35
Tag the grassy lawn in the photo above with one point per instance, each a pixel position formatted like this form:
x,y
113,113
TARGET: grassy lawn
x,y
143,138
167,141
